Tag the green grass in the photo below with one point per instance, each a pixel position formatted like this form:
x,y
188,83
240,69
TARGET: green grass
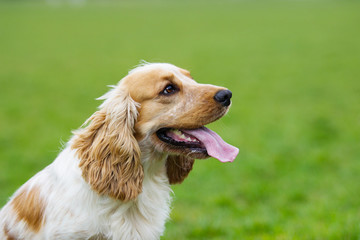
x,y
293,68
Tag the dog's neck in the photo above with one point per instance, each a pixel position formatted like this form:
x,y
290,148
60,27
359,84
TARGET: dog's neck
x,y
153,161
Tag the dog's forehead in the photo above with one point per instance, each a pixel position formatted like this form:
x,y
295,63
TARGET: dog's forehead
x,y
156,71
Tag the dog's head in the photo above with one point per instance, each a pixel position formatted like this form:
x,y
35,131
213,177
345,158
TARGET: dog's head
x,y
162,106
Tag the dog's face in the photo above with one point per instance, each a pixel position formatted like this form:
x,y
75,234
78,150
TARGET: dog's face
x,y
170,102
156,105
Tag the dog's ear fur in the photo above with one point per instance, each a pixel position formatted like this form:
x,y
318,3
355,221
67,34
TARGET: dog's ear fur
x,y
108,151
178,168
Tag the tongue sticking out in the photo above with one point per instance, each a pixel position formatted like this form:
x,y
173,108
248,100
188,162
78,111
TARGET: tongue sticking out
x,y
215,146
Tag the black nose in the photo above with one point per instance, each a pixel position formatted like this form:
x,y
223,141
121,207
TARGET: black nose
x,y
223,97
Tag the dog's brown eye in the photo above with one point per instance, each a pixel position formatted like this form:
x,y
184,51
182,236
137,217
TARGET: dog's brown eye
x,y
169,89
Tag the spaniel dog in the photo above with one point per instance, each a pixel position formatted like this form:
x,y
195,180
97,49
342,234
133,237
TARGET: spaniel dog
x,y
112,180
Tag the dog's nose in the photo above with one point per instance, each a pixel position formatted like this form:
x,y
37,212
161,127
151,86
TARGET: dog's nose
x,y
223,97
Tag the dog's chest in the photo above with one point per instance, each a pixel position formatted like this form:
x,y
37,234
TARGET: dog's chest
x,y
145,217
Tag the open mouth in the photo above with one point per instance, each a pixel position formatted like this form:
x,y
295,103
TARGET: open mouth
x,y
200,140
179,138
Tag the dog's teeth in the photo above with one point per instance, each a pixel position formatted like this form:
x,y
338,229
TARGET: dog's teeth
x,y
177,132
183,137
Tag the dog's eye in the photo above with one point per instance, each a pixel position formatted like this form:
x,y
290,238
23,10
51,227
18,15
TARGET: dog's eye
x,y
169,89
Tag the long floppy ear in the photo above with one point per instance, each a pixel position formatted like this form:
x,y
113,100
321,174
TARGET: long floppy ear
x,y
108,151
178,167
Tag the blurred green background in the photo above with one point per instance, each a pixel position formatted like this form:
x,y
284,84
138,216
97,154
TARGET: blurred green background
x,y
293,68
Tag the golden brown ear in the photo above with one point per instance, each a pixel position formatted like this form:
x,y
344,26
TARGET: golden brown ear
x,y
178,167
108,151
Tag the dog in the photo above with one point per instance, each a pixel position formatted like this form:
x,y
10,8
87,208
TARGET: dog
x,y
112,179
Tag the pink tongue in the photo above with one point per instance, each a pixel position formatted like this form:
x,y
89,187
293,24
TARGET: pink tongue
x,y
215,146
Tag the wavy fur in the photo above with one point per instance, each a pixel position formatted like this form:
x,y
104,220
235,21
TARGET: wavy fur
x,y
108,151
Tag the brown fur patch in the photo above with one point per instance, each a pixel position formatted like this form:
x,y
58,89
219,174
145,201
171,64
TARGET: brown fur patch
x,y
29,207
109,153
178,167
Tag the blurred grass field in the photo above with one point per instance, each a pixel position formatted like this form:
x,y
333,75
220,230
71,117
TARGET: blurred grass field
x,y
293,68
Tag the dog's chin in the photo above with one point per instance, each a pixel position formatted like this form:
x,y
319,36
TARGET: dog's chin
x,y
174,141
